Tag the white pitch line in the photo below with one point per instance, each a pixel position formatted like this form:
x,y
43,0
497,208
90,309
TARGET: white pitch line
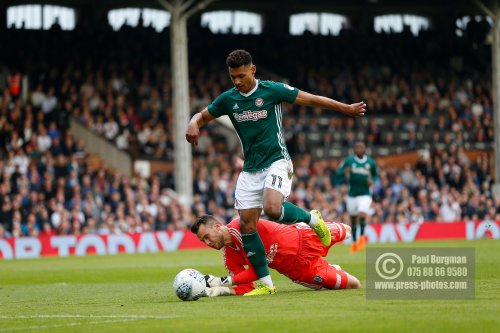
x,y
64,325
133,317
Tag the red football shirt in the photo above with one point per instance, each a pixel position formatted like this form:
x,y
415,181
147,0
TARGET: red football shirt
x,y
281,243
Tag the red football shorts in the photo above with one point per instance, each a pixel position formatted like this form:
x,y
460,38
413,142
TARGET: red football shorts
x,y
311,269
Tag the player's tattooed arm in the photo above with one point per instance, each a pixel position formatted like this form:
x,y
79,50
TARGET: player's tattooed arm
x,y
307,99
193,129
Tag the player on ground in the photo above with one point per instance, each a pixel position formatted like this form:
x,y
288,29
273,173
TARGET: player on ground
x,y
360,171
255,110
293,250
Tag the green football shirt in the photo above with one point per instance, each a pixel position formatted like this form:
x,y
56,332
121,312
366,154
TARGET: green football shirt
x,y
257,118
361,169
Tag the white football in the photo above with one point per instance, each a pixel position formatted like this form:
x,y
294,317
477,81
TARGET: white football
x,y
189,284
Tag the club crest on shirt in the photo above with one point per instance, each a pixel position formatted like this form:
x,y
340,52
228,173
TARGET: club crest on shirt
x,y
318,279
259,102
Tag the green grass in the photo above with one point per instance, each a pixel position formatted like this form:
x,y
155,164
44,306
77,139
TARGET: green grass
x,y
133,293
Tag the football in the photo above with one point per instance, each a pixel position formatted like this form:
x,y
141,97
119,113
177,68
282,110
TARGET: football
x,y
189,285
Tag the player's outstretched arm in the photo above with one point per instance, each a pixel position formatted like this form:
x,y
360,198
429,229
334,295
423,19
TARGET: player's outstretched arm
x,y
224,286
352,282
219,286
193,129
352,110
215,281
219,291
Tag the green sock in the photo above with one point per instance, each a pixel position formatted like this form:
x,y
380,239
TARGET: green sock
x,y
254,248
353,228
293,214
362,225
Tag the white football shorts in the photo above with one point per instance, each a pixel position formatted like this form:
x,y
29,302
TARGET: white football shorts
x,y
358,204
250,186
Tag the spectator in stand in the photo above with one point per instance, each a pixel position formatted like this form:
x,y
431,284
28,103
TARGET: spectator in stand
x,y
439,107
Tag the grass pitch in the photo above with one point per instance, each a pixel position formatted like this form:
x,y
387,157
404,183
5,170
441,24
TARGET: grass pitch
x,y
133,293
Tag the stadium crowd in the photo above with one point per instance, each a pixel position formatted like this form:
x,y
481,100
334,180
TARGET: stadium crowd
x,y
47,187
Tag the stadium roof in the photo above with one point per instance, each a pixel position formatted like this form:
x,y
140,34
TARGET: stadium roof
x,y
429,7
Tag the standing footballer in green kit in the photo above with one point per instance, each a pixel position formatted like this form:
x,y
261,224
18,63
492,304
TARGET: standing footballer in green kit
x,y
254,107
359,172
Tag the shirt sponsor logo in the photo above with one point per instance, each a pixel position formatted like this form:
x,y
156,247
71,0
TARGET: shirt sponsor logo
x,y
362,170
259,102
250,115
273,250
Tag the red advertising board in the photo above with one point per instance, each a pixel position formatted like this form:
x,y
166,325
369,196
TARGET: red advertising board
x,y
30,247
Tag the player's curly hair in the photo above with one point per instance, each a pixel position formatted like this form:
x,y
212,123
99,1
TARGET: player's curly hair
x,y
207,220
239,58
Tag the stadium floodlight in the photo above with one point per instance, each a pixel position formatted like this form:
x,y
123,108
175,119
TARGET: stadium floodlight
x,y
495,58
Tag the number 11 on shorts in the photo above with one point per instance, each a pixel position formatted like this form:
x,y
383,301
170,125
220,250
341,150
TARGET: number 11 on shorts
x,y
280,180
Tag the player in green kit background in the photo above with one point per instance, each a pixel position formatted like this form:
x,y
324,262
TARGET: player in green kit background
x,y
359,171
255,110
